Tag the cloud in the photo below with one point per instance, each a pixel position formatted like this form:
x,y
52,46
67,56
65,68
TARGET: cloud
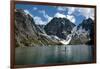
x,y
38,20
46,16
34,8
86,12
71,18
59,15
61,9
42,11
71,10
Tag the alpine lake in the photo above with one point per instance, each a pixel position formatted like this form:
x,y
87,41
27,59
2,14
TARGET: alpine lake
x,y
53,54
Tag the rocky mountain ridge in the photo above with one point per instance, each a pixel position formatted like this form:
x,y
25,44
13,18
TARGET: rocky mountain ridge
x,y
27,33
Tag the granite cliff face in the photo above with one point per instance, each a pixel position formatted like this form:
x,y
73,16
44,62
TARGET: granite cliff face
x,y
27,33
59,27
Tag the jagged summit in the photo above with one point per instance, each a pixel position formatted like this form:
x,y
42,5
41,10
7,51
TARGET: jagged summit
x,y
86,24
84,32
23,11
60,27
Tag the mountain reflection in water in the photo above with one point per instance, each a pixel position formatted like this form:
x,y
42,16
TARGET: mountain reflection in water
x,y
53,54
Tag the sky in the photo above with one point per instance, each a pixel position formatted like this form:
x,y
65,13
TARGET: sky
x,y
42,14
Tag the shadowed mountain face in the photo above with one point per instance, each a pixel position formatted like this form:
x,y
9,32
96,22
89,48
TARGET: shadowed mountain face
x,y
27,33
88,25
84,33
60,27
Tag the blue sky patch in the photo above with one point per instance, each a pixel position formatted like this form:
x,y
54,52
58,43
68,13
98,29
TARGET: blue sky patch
x,y
42,14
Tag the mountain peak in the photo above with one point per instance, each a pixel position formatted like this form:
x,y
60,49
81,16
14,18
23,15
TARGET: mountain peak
x,y
86,24
60,19
59,27
24,12
88,21
28,13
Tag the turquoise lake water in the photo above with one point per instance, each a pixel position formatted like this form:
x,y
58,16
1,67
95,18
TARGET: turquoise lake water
x,y
53,54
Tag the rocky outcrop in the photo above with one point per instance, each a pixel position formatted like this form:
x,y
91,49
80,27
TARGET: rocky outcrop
x,y
84,33
60,27
88,25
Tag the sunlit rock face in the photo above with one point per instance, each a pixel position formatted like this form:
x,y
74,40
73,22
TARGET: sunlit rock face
x,y
27,33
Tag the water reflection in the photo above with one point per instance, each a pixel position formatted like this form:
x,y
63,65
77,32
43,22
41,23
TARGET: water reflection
x,y
54,54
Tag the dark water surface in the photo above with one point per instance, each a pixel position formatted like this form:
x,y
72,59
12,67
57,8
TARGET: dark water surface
x,y
53,54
